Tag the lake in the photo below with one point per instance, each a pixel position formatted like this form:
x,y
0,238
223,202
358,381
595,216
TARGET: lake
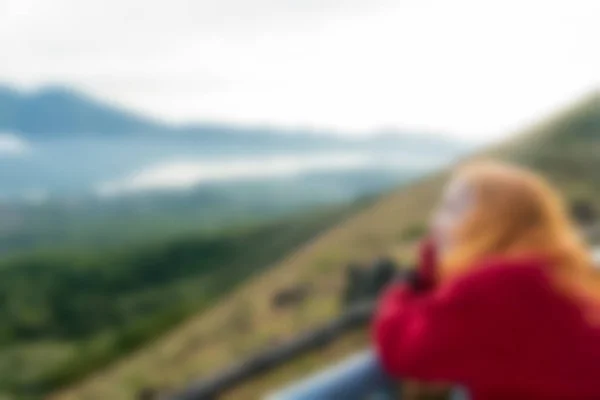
x,y
115,166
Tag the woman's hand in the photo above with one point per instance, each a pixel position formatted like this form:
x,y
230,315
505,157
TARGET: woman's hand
x,y
427,269
410,278
424,276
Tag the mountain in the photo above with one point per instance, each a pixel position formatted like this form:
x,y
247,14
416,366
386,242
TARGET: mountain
x,y
57,111
565,148
60,111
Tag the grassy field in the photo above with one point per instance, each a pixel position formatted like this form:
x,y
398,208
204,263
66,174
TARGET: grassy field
x,y
67,312
566,148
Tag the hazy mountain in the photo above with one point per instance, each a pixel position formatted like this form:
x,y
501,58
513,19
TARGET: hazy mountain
x,y
59,111
55,141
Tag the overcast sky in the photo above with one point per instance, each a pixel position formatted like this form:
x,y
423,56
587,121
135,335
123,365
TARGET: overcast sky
x,y
470,68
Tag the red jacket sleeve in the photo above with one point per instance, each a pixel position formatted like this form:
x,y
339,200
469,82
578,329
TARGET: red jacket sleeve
x,y
464,332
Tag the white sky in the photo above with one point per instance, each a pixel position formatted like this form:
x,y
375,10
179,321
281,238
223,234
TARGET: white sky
x,y
470,68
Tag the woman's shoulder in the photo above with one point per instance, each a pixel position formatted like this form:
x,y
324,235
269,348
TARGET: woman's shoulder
x,y
513,290
526,274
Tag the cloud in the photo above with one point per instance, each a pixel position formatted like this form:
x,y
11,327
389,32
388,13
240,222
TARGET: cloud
x,y
464,67
12,146
183,175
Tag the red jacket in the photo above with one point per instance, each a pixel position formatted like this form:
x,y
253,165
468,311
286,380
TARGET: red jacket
x,y
502,331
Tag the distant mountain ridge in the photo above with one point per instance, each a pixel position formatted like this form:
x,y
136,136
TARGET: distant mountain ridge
x,y
60,111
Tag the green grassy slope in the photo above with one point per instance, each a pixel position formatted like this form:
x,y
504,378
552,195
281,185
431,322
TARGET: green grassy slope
x,y
66,313
564,148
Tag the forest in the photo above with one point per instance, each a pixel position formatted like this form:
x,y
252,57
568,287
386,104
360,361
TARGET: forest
x,y
64,313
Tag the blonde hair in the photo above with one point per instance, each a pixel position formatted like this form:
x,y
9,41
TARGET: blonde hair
x,y
518,213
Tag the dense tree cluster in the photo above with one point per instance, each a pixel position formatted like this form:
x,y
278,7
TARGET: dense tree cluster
x,y
110,302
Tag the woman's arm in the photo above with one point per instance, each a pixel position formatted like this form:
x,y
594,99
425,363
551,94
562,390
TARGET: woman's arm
x,y
462,332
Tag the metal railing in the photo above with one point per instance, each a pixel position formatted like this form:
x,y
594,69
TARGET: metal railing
x,y
212,387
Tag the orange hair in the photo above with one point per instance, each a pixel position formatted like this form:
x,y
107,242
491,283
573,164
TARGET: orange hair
x,y
516,212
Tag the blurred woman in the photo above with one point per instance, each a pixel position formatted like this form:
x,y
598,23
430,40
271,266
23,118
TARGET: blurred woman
x,y
506,302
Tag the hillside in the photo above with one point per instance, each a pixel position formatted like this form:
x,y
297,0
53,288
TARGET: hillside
x,y
565,148
99,222
64,313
